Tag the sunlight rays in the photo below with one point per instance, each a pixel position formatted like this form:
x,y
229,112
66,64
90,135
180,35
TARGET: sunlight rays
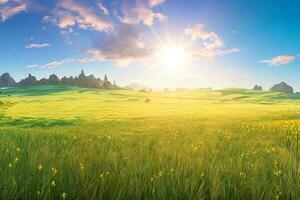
x,y
172,56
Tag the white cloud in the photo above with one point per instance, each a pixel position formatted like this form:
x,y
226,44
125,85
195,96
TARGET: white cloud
x,y
212,45
103,9
63,19
36,45
122,46
53,64
209,54
142,12
3,1
280,60
153,3
9,9
210,39
58,63
32,66
70,13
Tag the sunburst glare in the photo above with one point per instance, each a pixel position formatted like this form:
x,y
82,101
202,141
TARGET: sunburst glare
x,y
172,57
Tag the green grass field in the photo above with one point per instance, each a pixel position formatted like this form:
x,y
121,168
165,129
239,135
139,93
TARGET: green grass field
x,y
72,143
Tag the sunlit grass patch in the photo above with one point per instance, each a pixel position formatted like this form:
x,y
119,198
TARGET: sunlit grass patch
x,y
179,145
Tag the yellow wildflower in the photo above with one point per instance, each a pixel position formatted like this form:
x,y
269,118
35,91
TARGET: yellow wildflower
x,y
64,195
277,173
52,184
242,174
81,166
54,171
160,173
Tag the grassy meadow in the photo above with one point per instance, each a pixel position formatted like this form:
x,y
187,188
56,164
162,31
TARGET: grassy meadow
x,y
61,142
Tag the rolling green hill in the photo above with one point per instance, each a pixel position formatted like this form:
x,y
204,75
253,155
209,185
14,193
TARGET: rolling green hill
x,y
61,142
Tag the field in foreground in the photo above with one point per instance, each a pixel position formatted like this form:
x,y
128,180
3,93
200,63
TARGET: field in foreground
x,y
71,143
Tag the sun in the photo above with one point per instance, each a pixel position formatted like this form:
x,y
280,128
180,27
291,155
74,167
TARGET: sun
x,y
172,57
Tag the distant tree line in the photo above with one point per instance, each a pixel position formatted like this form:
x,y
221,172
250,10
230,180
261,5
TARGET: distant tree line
x,y
92,82
258,87
81,81
280,87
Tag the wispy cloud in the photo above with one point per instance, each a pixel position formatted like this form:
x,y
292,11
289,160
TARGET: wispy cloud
x,y
153,3
103,8
71,13
211,39
9,8
212,45
52,64
36,45
211,54
63,19
280,60
58,63
142,12
32,66
4,1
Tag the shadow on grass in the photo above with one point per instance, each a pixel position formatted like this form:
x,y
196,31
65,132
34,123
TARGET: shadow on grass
x,y
30,123
261,97
282,96
37,90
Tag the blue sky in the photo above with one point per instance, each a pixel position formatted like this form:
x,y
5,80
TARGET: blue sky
x,y
226,43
